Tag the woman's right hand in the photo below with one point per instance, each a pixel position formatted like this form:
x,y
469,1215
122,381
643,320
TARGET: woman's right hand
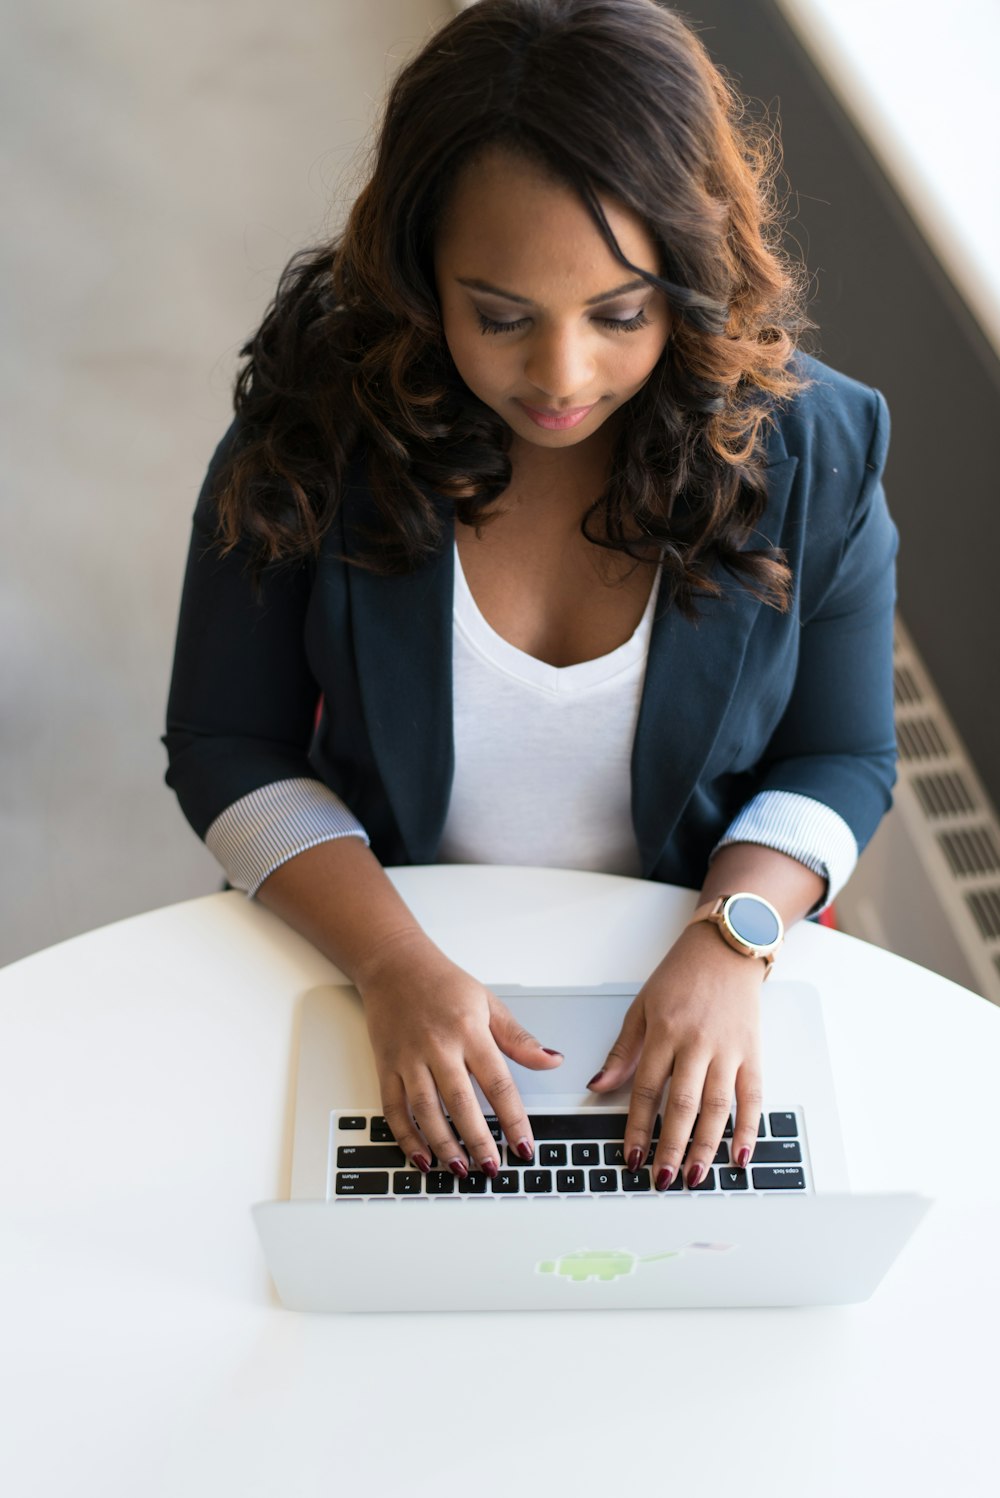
x,y
432,1026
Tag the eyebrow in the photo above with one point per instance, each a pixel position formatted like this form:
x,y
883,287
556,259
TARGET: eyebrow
x,y
605,296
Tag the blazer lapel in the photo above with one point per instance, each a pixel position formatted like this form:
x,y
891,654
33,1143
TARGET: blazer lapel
x,y
691,675
402,631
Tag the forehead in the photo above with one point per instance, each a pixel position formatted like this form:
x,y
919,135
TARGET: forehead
x,y
510,222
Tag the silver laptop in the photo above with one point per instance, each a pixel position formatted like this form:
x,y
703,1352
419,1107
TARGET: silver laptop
x,y
572,1229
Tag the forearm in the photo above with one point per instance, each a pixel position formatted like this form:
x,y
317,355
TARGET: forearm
x,y
792,889
340,898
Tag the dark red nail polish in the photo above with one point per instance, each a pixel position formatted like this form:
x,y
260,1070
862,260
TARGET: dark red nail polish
x,y
664,1178
422,1163
489,1168
551,1053
742,1158
597,1076
458,1167
694,1175
524,1149
634,1159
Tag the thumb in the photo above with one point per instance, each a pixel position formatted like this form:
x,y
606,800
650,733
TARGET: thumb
x,y
517,1042
623,1056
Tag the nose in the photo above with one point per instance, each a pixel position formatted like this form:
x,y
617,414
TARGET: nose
x,y
559,364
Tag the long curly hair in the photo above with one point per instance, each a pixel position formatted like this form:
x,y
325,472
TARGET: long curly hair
x,y
617,97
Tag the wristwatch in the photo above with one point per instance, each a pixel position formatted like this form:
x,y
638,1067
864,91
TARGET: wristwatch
x,y
748,923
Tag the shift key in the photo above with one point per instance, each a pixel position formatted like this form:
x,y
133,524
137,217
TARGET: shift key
x,y
369,1156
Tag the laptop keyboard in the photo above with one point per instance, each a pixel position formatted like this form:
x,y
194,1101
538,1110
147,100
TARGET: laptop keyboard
x,y
577,1153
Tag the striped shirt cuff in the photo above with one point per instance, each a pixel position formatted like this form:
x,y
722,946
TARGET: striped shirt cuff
x,y
264,829
804,829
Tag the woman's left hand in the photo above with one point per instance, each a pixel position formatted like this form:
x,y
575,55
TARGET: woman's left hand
x,y
696,1021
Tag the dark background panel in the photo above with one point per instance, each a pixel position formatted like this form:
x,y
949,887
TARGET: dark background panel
x,y
888,314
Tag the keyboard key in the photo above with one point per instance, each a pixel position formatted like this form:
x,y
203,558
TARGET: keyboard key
x,y
357,1156
722,1154
351,1121
586,1154
636,1180
783,1125
493,1124
473,1185
362,1183
779,1178
731,1179
506,1181
569,1180
604,1180
760,1127
380,1132
538,1180
776,1152
614,1154
727,1132
440,1182
552,1154
407,1183
513,1158
708,1184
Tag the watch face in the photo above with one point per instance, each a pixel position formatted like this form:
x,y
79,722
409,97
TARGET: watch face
x,y
752,921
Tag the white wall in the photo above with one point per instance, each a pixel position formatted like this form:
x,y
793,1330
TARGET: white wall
x,y
162,159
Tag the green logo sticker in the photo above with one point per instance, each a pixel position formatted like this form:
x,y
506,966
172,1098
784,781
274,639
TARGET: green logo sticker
x,y
611,1263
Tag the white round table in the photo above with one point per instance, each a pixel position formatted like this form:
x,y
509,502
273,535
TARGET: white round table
x,y
146,1094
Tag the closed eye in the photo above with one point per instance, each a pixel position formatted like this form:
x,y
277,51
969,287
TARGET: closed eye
x,y
487,325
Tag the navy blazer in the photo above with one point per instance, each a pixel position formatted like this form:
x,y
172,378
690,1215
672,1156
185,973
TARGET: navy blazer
x,y
744,699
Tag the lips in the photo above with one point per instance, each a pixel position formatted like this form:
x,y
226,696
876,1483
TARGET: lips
x,y
556,420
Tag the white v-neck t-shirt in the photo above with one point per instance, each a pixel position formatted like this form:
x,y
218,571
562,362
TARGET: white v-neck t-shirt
x,y
542,753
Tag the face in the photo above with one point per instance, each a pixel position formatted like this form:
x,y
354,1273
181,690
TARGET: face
x,y
546,335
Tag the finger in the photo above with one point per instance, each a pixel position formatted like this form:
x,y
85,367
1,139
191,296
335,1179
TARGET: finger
x,y
493,1076
686,1083
407,1135
644,1103
749,1101
465,1112
422,1092
713,1116
517,1042
623,1057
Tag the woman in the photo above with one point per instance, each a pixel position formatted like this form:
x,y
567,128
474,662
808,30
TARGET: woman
x,y
588,566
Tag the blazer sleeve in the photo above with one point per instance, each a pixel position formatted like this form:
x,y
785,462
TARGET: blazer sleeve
x,y
242,702
836,740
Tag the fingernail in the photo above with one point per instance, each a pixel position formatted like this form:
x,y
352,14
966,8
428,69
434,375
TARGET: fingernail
x,y
597,1076
664,1178
489,1168
459,1167
552,1053
422,1163
634,1159
694,1175
743,1157
524,1149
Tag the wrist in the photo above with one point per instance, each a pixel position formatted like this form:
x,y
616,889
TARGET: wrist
x,y
405,948
702,944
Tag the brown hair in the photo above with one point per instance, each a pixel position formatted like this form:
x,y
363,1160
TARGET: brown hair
x,y
617,97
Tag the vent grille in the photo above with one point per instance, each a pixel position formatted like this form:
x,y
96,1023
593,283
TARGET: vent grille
x,y
944,795
971,850
920,738
908,693
985,906
951,835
